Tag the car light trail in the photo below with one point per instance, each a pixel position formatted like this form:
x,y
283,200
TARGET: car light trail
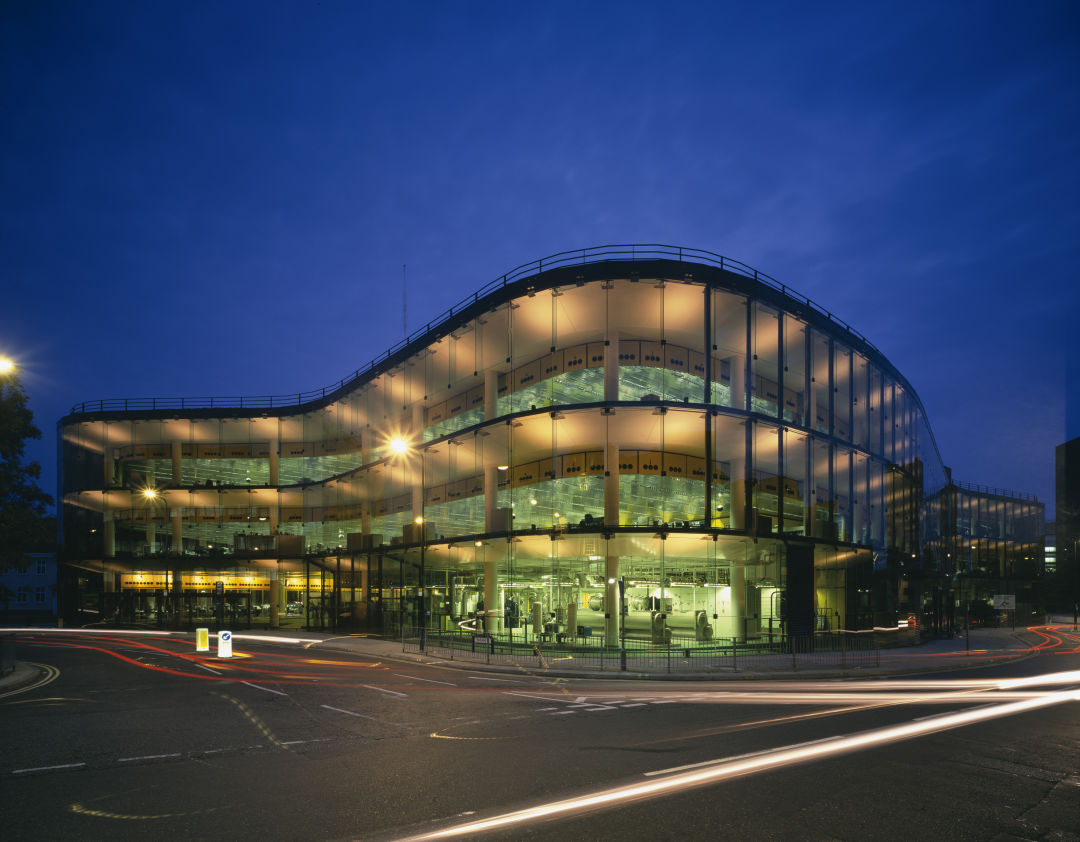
x,y
725,768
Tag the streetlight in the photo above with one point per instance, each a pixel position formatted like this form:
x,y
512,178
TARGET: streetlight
x,y
400,446
152,497
6,365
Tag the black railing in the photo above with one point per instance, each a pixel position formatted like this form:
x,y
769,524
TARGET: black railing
x,y
565,651
996,492
577,257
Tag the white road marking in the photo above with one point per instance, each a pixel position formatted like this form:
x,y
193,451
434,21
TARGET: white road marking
x,y
418,678
266,689
635,705
205,667
146,757
529,696
485,678
48,768
349,712
383,690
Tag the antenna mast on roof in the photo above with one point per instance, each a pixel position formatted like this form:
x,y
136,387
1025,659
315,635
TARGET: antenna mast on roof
x,y
404,306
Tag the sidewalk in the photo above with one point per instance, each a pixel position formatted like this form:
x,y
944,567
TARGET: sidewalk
x,y
985,647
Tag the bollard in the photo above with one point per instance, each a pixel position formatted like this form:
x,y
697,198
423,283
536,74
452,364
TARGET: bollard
x,y
224,644
202,640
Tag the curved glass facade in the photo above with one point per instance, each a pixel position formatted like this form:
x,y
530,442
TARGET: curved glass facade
x,y
736,461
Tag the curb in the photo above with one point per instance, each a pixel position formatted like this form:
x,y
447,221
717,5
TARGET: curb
x,y
18,678
616,675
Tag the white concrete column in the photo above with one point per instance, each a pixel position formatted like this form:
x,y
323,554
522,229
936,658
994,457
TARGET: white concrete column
x,y
283,592
738,382
492,609
611,365
151,537
275,463
611,601
275,599
738,600
738,494
491,394
177,463
275,515
611,485
491,500
108,534
177,531
571,616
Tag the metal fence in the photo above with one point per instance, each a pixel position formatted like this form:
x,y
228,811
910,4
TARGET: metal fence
x,y
677,655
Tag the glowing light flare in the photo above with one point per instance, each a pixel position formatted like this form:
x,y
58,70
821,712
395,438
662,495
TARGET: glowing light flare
x,y
399,445
724,768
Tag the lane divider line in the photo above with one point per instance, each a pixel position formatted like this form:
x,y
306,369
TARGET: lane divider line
x,y
418,678
264,689
147,757
384,690
48,768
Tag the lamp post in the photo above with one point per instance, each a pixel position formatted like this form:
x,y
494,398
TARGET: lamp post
x,y
152,496
401,447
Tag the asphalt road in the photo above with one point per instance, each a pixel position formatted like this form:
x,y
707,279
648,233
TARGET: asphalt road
x,y
131,738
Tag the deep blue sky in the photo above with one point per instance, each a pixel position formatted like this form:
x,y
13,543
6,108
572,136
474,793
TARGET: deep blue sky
x,y
217,198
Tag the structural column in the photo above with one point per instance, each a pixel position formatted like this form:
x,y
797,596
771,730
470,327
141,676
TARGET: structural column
x,y
611,365
738,382
738,600
108,534
275,599
739,488
177,463
492,609
491,394
177,531
491,500
612,608
274,460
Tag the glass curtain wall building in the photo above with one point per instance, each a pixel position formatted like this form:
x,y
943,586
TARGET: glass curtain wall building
x,y
663,423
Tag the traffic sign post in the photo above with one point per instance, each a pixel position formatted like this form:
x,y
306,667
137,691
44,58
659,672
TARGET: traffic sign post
x,y
224,644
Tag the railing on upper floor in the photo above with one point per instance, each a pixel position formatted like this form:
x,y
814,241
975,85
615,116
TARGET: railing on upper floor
x,y
577,257
997,492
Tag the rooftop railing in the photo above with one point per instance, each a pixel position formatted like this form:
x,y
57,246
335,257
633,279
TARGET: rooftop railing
x,y
997,492
577,257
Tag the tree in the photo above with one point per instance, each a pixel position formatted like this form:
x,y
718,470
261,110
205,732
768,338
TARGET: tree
x,y
25,523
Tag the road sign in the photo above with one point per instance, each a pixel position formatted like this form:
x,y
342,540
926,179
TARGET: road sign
x,y
224,644
1005,601
202,640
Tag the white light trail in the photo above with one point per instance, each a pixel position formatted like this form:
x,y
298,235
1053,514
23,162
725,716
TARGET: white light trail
x,y
725,768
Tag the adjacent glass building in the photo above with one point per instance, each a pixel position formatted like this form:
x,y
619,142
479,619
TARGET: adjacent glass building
x,y
663,423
